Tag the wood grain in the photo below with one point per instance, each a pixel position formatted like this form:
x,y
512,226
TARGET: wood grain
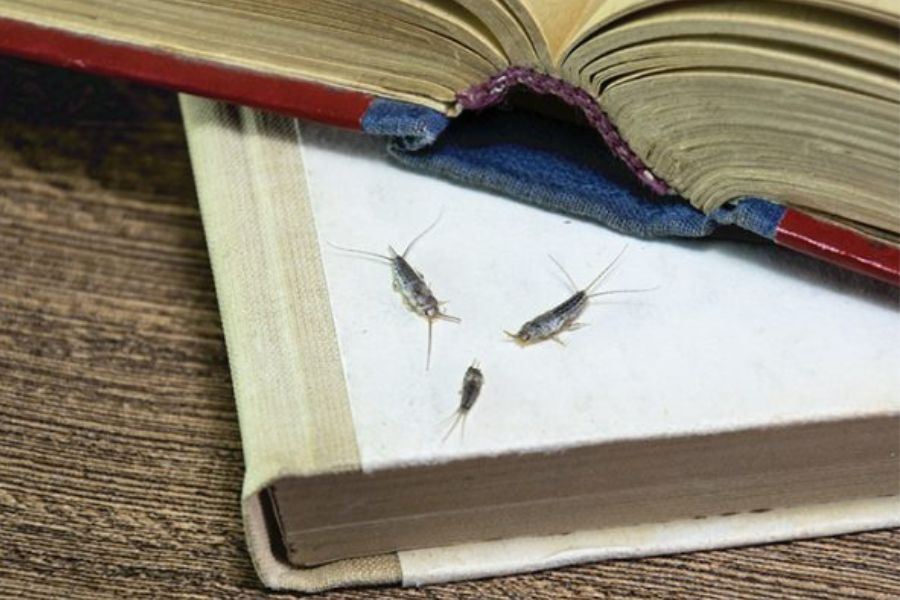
x,y
120,461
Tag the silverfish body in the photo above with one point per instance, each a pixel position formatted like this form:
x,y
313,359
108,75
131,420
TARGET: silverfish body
x,y
468,394
411,285
548,325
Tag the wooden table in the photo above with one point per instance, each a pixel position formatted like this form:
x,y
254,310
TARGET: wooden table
x,y
120,459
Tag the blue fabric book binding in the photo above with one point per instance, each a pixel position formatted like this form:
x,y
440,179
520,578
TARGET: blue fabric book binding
x,y
553,164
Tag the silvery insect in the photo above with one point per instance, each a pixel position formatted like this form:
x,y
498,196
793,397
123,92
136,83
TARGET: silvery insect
x,y
468,394
548,325
411,285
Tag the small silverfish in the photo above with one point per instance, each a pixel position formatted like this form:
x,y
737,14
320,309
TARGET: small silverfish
x,y
411,284
468,394
548,325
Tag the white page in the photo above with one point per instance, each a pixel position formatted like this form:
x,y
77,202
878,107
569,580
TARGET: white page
x,y
736,336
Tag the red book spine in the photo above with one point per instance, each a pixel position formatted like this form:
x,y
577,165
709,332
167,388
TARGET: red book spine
x,y
270,92
838,245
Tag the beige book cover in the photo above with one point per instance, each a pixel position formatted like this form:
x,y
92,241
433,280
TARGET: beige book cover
x,y
312,399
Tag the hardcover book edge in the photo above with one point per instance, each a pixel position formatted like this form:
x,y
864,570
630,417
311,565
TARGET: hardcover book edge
x,y
231,147
239,154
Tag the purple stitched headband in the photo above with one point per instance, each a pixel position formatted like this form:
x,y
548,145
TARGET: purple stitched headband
x,y
495,89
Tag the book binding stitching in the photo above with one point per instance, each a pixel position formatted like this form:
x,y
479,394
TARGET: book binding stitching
x,y
495,90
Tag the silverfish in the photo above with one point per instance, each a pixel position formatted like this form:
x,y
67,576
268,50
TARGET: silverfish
x,y
410,283
548,325
468,394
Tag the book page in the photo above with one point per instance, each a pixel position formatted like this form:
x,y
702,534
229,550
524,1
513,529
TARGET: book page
x,y
413,50
736,336
604,12
551,23
726,98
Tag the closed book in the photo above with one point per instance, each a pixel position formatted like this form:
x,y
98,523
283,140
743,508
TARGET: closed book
x,y
715,394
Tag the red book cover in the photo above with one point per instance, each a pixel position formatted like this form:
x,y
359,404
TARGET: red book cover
x,y
270,92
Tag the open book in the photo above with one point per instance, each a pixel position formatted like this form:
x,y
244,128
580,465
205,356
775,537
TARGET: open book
x,y
794,101
750,396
